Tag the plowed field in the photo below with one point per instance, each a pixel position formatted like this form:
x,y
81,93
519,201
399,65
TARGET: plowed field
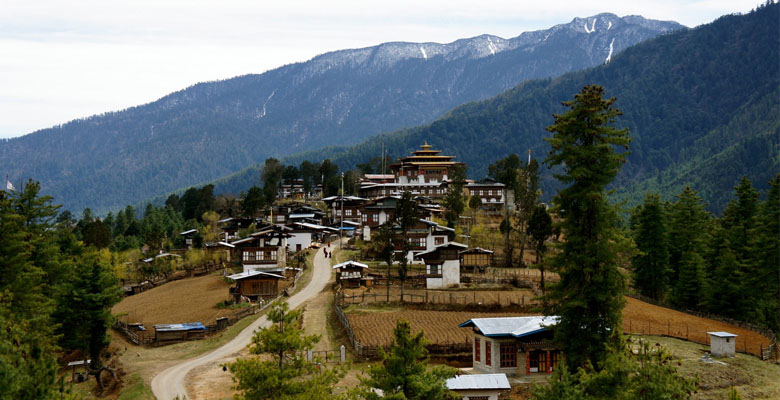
x,y
373,328
185,300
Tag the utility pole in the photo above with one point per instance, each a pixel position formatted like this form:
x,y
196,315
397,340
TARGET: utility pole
x,y
341,230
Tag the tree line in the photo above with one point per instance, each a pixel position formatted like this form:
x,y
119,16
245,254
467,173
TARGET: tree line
x,y
727,265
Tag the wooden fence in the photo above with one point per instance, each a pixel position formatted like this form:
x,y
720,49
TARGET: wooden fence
x,y
187,272
459,298
765,353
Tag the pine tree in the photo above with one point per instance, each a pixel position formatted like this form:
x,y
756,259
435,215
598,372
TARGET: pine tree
x,y
402,373
283,373
589,297
651,265
540,227
688,234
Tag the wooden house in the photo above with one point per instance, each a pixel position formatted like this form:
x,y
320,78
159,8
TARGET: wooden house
x,y
255,285
424,235
476,259
491,192
350,205
264,250
352,274
516,346
231,226
442,265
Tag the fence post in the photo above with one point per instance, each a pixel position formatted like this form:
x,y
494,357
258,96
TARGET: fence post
x,y
343,353
309,355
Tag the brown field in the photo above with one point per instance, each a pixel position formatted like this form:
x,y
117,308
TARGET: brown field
x,y
376,328
185,300
373,328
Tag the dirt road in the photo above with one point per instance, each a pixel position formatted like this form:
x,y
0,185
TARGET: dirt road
x,y
171,382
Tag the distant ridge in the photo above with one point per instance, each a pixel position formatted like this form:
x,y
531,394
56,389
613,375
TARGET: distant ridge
x,y
702,105
213,129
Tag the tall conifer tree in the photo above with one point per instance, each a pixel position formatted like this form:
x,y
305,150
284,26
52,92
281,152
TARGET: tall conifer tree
x,y
589,297
651,265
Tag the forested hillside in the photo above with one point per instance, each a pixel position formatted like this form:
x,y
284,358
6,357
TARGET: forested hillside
x,y
702,106
212,129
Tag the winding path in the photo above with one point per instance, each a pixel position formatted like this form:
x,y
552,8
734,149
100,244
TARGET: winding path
x,y
171,382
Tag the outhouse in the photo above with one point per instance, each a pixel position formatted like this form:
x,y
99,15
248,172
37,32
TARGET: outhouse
x,y
722,344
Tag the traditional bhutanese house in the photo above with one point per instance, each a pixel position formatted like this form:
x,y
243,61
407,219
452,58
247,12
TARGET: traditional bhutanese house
x,y
491,192
255,285
442,265
304,234
352,274
513,345
308,214
264,250
231,226
177,332
722,344
352,206
188,237
381,210
291,189
476,259
424,235
479,387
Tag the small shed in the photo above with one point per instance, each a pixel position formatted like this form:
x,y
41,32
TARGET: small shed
x,y
476,259
188,237
255,285
482,386
177,332
352,274
722,344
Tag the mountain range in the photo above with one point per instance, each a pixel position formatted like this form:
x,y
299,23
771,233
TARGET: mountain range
x,y
213,129
702,106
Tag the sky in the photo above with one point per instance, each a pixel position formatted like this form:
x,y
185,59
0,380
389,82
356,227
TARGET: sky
x,y
62,60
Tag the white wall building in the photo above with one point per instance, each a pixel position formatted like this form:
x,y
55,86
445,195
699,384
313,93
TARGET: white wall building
x,y
482,387
722,344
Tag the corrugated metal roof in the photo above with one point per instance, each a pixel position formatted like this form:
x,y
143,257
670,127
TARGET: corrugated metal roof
x,y
476,382
722,334
249,274
192,326
511,326
350,263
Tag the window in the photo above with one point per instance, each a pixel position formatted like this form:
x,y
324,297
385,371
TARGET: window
x,y
490,192
487,353
477,355
259,255
481,192
374,218
555,357
365,218
499,192
508,355
246,256
348,212
434,270
438,240
537,360
272,255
